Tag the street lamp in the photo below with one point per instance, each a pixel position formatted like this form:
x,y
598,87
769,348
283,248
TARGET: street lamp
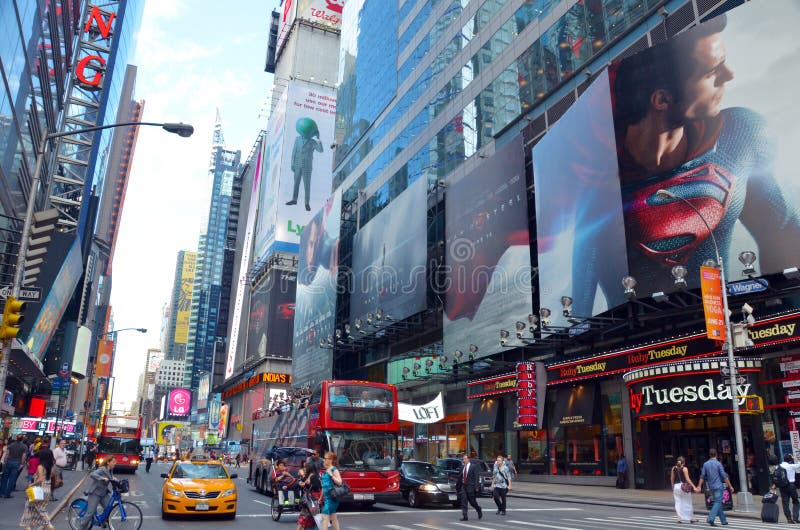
x,y
183,130
745,503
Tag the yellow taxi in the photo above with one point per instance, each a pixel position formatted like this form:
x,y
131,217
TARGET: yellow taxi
x,y
198,488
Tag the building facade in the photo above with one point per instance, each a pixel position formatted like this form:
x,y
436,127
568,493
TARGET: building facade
x,y
177,330
467,108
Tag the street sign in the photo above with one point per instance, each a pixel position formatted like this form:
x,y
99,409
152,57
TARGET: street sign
x,y
724,371
25,293
747,286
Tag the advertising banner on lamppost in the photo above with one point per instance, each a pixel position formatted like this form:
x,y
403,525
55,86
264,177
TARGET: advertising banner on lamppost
x,y
105,357
713,308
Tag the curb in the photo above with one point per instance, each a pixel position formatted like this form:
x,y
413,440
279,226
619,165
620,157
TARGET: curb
x,y
603,502
65,500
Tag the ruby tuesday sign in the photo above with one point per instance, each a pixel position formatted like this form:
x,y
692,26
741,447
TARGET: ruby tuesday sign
x,y
701,392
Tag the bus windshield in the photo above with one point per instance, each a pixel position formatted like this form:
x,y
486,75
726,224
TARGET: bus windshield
x,y
364,450
112,445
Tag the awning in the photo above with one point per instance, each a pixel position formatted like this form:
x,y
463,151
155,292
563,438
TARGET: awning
x,y
574,406
22,365
484,416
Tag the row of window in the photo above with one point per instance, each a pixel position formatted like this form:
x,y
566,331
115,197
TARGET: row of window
x,y
556,56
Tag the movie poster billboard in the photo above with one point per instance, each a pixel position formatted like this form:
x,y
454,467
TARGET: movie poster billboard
x,y
272,308
184,307
203,389
389,259
579,209
488,265
179,402
315,300
708,116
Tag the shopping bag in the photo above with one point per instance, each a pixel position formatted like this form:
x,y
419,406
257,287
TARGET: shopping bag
x,y
318,520
35,493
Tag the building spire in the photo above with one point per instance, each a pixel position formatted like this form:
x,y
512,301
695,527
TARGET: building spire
x,y
218,139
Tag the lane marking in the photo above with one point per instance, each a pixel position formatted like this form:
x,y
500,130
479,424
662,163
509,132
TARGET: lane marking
x,y
465,525
262,502
542,525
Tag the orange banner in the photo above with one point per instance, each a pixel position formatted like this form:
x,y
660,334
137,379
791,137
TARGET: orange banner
x,y
711,289
105,355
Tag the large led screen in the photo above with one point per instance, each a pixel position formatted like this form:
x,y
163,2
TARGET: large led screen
x,y
488,272
579,226
389,255
315,301
272,305
710,116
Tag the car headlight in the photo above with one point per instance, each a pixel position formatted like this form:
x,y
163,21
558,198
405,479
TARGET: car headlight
x,y
428,487
174,492
228,492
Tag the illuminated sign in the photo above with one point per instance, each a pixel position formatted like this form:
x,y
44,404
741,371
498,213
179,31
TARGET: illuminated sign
x,y
179,403
266,377
501,384
91,68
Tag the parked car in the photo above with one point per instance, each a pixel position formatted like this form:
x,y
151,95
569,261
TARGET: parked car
x,y
422,483
452,466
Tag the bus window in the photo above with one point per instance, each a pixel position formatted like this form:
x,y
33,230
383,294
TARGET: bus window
x,y
364,450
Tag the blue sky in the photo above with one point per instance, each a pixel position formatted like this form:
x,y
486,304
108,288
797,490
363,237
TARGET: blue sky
x,y
192,57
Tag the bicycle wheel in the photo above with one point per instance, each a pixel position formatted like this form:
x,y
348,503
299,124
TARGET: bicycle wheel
x,y
76,510
132,520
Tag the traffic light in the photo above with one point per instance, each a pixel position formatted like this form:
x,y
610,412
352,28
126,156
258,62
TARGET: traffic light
x,y
39,237
12,318
753,404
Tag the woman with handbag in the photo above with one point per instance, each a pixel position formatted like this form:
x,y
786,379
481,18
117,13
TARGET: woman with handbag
x,y
330,478
35,512
682,488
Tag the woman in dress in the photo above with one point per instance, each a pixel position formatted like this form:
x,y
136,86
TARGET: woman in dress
x,y
683,499
330,478
35,512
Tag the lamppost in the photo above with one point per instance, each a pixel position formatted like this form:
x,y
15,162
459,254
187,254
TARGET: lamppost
x,y
181,129
745,503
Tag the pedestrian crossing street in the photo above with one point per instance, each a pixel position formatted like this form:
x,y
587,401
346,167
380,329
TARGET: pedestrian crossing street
x,y
573,521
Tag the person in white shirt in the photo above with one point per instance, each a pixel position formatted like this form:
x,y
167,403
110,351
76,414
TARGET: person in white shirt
x,y
790,490
60,454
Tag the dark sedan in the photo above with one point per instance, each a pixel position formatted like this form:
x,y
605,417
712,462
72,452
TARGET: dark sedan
x,y
421,483
452,466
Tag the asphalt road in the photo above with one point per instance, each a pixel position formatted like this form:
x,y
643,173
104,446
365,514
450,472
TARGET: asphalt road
x,y
254,513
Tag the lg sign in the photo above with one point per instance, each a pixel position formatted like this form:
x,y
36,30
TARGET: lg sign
x,y
180,401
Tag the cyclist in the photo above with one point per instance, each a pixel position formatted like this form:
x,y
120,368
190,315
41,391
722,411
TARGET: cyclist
x,y
99,493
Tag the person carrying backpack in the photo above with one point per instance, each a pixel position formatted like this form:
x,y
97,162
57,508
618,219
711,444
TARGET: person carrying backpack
x,y
783,478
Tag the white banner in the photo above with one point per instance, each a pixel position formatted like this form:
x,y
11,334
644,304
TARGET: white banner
x,y
430,412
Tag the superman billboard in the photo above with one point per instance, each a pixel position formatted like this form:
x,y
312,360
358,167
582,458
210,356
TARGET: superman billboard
x,y
488,265
682,141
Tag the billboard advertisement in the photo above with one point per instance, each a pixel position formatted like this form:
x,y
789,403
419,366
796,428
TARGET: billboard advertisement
x,y
300,160
179,402
184,308
389,258
706,116
272,307
203,388
242,285
488,264
167,432
579,209
268,190
315,301
56,301
222,425
80,357
105,356
327,13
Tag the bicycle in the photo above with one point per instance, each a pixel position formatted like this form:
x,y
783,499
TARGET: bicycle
x,y
118,514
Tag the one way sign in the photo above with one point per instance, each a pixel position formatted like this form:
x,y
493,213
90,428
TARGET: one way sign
x,y
26,293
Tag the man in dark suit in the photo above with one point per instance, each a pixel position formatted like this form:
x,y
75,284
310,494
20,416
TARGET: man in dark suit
x,y
468,485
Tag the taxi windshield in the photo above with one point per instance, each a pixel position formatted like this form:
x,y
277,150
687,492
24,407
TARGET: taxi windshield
x,y
200,471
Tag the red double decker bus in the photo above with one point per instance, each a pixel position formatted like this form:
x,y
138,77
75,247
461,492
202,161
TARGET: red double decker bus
x,y
357,420
120,437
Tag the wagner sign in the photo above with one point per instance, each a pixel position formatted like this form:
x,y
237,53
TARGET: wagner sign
x,y
705,392
430,412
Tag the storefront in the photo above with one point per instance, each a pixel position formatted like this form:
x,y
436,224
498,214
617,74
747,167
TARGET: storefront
x,y
429,431
493,416
684,409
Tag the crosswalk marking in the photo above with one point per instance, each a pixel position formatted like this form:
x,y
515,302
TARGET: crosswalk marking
x,y
395,527
542,525
423,525
465,525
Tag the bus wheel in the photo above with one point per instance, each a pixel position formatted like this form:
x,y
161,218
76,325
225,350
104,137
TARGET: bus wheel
x,y
275,509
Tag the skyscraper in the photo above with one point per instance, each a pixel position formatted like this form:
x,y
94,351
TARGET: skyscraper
x,y
209,306
177,332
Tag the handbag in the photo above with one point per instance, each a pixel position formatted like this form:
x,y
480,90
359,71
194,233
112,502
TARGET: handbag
x,y
338,492
311,503
35,493
686,487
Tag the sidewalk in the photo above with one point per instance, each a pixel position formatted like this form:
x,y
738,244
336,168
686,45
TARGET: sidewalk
x,y
610,496
12,508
